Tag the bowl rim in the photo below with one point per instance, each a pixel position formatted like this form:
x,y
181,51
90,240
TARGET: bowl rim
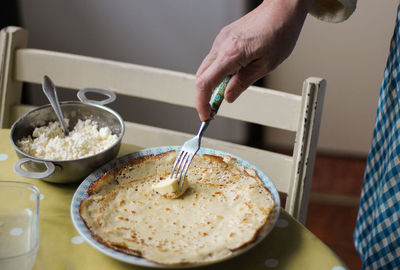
x,y
120,136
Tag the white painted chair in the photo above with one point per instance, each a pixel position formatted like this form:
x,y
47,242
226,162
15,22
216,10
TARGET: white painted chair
x,y
300,114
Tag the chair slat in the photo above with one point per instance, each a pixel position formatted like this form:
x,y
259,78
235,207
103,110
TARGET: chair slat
x,y
271,108
277,166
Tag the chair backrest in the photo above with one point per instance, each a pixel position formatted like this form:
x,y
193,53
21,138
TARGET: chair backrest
x,y
300,114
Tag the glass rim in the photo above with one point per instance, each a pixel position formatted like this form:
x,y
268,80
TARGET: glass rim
x,y
20,183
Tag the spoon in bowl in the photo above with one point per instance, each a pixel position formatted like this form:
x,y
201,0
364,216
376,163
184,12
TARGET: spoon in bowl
x,y
49,90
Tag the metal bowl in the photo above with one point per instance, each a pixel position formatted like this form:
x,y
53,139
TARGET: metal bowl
x,y
67,171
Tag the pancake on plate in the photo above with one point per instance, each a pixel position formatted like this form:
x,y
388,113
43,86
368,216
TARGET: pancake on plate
x,y
222,210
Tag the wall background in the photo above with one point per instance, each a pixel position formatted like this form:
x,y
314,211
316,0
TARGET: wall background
x,y
177,34
171,34
351,56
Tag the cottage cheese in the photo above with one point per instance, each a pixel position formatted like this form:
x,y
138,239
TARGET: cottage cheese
x,y
49,142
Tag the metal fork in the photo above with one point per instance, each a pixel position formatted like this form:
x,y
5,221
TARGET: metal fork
x,y
190,147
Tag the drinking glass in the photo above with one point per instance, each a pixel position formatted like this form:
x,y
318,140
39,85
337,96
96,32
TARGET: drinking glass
x,y
19,225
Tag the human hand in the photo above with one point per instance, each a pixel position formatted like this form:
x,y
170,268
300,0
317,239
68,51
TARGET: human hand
x,y
249,48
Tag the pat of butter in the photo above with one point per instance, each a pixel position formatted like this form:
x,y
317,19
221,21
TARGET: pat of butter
x,y
169,188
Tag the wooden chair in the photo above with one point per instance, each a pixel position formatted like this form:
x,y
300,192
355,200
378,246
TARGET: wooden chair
x,y
300,114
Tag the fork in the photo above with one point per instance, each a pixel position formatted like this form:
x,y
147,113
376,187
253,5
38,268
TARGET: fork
x,y
190,147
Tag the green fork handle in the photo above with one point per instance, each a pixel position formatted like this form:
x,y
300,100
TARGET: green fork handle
x,y
218,96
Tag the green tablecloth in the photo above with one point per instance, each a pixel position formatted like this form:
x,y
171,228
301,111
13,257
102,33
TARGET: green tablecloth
x,y
289,246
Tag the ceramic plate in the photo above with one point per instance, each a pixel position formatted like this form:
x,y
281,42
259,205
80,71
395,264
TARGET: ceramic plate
x,y
81,193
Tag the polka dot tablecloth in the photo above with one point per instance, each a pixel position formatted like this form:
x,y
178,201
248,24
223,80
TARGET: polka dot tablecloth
x,y
289,246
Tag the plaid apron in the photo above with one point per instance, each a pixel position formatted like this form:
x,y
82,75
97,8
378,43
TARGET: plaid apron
x,y
377,233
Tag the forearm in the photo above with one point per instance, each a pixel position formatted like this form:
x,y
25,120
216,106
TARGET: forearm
x,y
285,18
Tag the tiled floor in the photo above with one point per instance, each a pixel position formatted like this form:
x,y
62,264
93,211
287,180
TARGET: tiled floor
x,y
334,204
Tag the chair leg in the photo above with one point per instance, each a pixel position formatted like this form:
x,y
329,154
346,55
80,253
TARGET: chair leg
x,y
306,148
11,39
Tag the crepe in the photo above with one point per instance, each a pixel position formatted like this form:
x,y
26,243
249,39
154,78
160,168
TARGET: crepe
x,y
223,209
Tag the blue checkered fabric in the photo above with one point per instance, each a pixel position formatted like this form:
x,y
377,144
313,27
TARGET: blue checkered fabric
x,y
377,233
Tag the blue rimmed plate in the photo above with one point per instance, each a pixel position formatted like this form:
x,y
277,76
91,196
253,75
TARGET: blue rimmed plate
x,y
81,193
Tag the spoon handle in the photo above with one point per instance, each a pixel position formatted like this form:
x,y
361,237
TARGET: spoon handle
x,y
50,91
